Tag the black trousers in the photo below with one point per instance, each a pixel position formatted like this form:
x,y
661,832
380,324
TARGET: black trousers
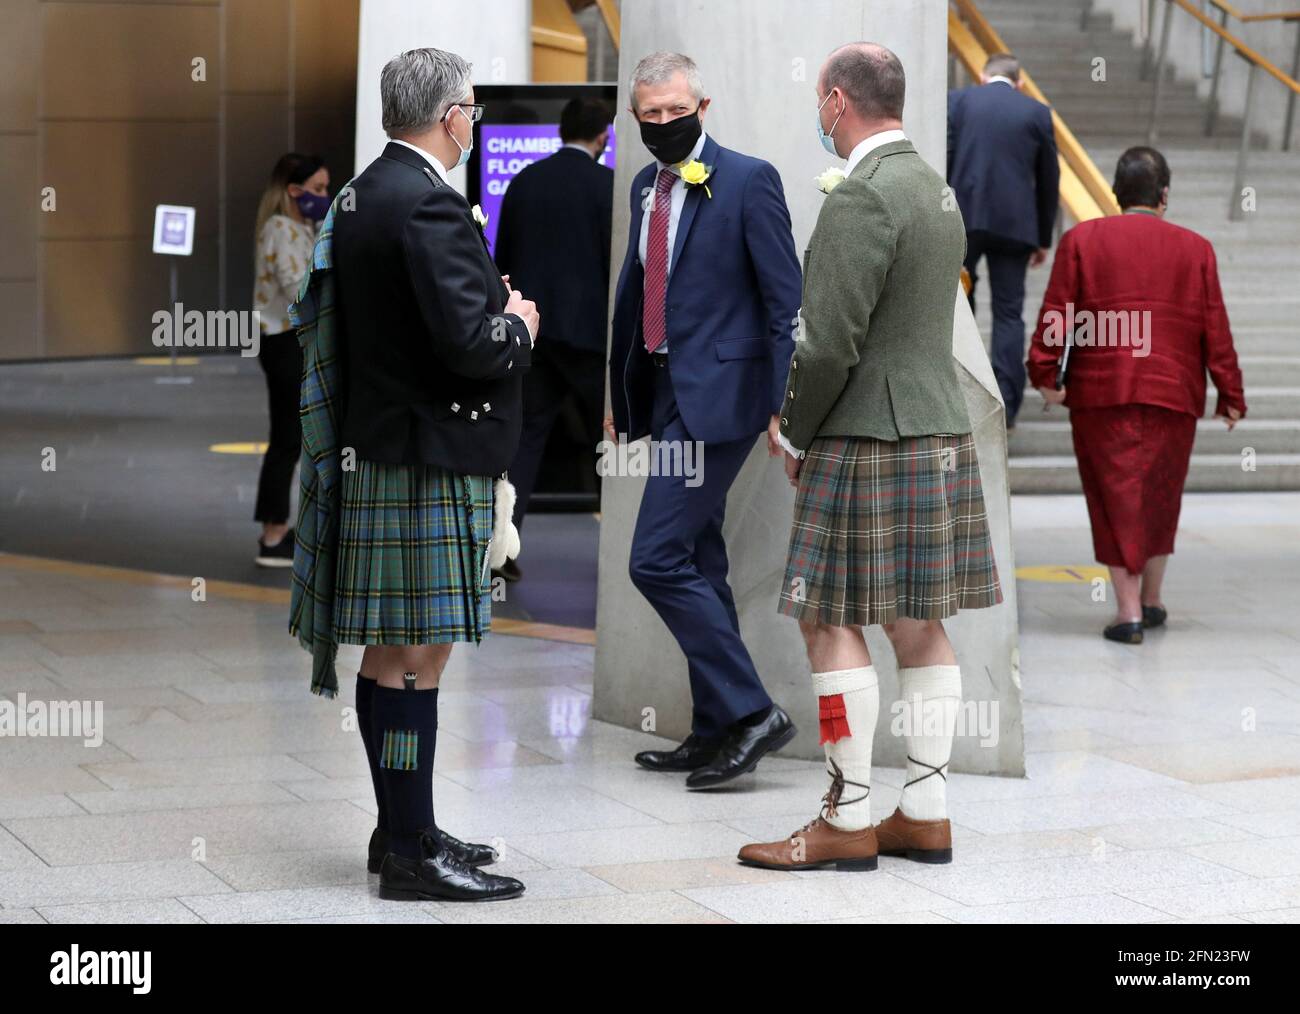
x,y
558,370
281,361
1008,260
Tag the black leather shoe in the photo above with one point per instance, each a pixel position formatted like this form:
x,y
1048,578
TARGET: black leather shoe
x,y
1124,633
439,876
694,753
1154,616
466,852
743,749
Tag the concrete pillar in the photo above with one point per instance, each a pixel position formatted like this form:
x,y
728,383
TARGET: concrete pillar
x,y
493,35
759,63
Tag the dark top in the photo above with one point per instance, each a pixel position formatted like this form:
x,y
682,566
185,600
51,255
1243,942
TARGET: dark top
x,y
553,242
432,366
1002,163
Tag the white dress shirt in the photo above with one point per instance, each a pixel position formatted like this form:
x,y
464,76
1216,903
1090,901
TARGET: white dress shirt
x,y
674,215
864,148
434,162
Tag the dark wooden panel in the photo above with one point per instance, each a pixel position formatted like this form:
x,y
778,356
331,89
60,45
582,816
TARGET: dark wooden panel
x,y
128,61
20,201
110,176
100,296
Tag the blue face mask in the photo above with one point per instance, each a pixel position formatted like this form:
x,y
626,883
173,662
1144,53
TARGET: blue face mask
x,y
828,140
464,152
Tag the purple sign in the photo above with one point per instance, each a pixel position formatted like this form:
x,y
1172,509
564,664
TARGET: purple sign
x,y
174,226
507,149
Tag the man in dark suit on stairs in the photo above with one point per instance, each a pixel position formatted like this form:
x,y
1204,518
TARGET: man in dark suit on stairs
x,y
1002,166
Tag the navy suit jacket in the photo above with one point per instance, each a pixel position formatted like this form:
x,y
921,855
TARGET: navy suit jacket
x,y
553,242
1002,163
734,288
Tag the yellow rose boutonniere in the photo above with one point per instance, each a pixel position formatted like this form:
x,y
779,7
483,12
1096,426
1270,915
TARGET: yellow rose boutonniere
x,y
830,179
697,174
479,217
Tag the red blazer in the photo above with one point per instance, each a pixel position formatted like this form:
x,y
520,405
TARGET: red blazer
x,y
1138,262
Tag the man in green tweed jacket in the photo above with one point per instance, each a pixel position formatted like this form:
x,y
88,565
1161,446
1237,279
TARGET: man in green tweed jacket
x,y
889,524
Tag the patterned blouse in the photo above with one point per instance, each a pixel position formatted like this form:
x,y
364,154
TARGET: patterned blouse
x,y
283,257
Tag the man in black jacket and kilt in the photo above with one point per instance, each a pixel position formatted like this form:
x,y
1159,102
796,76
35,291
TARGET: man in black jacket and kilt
x,y
434,346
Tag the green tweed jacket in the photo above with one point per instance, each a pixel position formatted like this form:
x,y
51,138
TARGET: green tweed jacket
x,y
873,354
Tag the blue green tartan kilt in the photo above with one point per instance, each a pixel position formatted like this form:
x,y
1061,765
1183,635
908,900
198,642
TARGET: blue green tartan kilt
x,y
412,556
889,529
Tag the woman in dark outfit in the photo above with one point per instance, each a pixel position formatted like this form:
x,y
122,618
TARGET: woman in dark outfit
x,y
295,200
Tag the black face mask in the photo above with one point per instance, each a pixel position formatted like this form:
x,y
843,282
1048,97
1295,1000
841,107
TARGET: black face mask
x,y
671,142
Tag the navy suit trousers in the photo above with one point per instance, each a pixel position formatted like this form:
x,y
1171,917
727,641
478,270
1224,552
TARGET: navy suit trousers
x,y
1008,260
679,563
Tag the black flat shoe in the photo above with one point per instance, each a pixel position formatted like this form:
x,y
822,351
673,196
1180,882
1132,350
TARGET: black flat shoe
x,y
439,876
279,555
743,749
1124,633
695,752
467,852
1154,616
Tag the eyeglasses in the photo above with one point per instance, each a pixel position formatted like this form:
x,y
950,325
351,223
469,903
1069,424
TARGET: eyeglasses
x,y
476,110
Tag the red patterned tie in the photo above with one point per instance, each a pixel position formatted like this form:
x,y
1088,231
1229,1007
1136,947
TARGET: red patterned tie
x,y
654,324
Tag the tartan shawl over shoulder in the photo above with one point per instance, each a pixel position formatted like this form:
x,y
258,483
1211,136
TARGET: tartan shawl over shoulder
x,y
320,407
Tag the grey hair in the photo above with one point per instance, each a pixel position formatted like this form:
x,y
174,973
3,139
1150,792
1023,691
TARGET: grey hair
x,y
419,86
660,67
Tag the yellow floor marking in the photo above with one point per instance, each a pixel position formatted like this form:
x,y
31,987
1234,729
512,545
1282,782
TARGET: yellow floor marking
x,y
1058,573
256,593
247,448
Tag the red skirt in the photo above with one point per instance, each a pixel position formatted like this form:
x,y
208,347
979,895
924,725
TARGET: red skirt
x,y
1133,461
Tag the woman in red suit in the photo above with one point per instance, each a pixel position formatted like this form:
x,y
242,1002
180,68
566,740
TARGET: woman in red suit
x,y
1138,301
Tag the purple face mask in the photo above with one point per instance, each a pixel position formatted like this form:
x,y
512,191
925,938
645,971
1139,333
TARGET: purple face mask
x,y
314,206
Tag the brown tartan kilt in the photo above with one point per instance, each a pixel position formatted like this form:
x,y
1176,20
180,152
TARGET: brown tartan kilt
x,y
885,529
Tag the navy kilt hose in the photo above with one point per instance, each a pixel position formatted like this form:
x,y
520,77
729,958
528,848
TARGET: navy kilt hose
x,y
412,556
884,530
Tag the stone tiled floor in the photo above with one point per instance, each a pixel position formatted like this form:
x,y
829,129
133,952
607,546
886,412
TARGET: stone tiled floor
x,y
1164,780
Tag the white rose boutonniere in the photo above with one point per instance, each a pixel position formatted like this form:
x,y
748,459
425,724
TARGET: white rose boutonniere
x,y
479,217
830,179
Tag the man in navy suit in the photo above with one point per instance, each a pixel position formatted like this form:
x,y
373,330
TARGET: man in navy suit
x,y
702,340
1002,165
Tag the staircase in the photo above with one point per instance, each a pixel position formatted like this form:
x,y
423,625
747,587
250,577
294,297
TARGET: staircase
x,y
1259,258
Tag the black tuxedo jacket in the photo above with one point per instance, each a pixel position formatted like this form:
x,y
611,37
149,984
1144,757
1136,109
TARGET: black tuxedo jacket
x,y
553,242
433,366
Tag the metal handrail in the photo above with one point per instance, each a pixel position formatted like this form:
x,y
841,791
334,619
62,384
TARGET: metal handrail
x,y
1254,61
1242,16
1085,193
